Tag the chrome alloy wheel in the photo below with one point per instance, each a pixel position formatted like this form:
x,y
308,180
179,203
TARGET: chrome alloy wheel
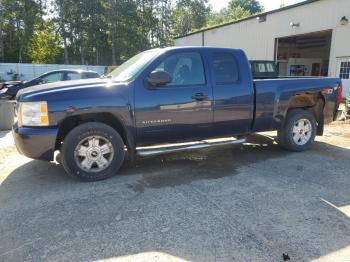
x,y
302,131
94,154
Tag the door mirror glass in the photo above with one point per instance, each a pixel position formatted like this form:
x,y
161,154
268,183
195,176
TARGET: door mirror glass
x,y
159,78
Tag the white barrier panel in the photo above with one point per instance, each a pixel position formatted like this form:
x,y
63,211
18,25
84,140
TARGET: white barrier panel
x,y
7,114
30,71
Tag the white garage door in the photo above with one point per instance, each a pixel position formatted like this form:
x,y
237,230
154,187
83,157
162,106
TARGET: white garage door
x,y
344,74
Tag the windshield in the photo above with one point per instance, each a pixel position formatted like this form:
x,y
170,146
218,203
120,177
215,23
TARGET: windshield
x,y
133,66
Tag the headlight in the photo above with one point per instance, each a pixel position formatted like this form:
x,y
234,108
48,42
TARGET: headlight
x,y
2,91
33,114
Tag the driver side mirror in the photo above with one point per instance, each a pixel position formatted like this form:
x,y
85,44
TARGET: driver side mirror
x,y
159,78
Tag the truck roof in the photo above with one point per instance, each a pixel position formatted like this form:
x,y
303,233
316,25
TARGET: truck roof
x,y
199,47
71,70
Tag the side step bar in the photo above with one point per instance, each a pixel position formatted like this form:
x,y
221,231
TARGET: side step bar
x,y
172,148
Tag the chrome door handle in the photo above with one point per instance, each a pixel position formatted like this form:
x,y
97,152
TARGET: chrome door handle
x,y
199,97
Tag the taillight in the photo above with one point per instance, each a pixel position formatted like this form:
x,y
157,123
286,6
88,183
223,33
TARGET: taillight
x,y
340,93
327,91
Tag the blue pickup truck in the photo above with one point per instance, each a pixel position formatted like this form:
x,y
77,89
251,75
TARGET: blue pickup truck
x,y
168,100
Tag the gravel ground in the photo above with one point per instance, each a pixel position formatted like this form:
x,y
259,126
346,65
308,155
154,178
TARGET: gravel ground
x,y
254,202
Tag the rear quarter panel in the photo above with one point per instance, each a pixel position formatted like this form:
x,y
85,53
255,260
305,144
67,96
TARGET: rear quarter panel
x,y
273,98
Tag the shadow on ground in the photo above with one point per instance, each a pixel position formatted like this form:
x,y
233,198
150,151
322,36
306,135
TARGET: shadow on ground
x,y
4,133
184,168
163,204
168,170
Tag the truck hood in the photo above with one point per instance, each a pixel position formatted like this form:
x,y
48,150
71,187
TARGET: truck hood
x,y
61,85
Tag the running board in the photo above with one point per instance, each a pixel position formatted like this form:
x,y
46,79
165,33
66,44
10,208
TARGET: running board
x,y
173,148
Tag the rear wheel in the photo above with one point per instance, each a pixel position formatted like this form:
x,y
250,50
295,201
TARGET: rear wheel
x,y
92,152
299,131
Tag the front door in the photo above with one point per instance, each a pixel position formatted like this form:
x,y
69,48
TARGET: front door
x,y
180,110
344,74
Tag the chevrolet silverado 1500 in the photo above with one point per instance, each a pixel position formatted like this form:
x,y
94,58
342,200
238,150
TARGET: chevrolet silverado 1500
x,y
168,100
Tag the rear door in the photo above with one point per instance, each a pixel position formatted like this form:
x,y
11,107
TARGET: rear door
x,y
232,92
180,110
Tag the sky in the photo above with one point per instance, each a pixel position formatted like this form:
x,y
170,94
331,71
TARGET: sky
x,y
268,4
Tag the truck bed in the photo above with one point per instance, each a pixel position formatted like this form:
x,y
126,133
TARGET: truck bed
x,y
273,95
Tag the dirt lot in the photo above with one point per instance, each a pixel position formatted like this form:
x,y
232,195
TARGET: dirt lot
x,y
248,203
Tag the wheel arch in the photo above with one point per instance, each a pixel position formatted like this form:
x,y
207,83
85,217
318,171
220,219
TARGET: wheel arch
x,y
107,118
313,102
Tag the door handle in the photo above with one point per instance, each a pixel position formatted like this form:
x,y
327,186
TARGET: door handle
x,y
199,97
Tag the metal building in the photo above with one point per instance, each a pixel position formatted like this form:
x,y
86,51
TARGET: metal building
x,y
311,38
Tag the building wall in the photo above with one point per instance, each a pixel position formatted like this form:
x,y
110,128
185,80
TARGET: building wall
x,y
258,39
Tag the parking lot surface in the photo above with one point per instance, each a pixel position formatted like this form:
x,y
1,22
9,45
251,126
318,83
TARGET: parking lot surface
x,y
254,202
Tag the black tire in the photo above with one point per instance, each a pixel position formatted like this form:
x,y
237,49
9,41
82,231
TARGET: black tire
x,y
286,135
86,131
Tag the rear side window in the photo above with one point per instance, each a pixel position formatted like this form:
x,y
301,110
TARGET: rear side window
x,y
73,76
186,69
225,68
90,75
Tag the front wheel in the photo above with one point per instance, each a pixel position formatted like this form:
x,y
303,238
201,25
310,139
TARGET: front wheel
x,y
92,151
299,131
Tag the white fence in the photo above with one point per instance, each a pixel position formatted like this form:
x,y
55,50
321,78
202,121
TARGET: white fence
x,y
30,71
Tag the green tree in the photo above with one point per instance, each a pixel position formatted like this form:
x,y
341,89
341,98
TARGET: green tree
x,y
252,6
236,9
225,15
96,31
44,47
18,20
190,15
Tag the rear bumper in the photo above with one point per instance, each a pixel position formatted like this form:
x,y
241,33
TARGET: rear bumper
x,y
36,143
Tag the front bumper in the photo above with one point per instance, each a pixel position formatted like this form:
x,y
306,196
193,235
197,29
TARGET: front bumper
x,y
37,143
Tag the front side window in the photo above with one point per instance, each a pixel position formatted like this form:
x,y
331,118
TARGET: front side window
x,y
186,69
225,68
54,77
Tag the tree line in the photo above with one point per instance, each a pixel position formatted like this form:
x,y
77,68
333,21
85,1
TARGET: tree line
x,y
102,32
